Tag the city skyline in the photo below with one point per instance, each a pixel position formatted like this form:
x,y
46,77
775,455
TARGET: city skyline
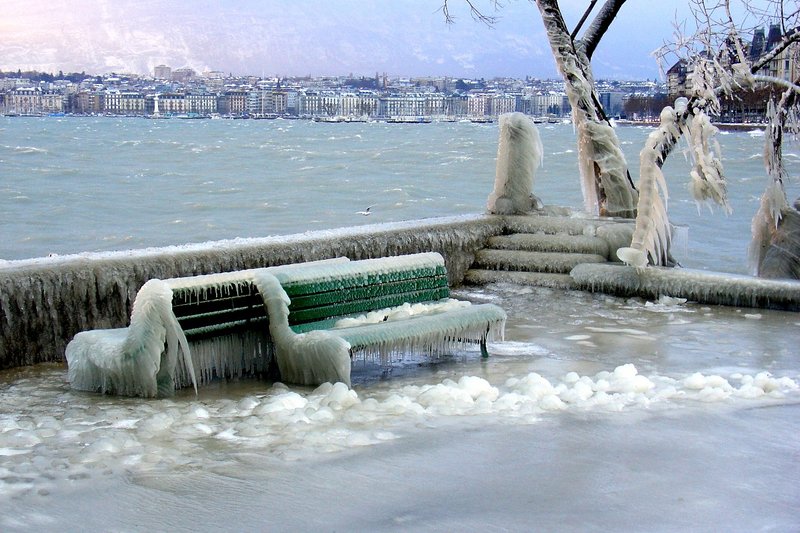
x,y
315,37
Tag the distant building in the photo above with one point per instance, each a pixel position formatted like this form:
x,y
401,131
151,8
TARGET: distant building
x,y
183,75
612,102
757,46
162,72
676,78
123,103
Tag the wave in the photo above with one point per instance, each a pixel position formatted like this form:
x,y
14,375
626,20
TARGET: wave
x,y
30,150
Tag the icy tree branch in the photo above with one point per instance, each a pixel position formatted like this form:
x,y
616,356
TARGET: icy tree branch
x,y
476,13
652,233
600,25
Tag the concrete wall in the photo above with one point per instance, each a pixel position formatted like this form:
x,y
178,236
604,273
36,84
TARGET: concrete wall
x,y
45,302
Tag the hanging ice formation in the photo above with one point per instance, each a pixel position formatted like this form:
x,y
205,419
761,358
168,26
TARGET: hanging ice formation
x,y
652,232
305,358
519,154
775,246
707,179
652,235
140,360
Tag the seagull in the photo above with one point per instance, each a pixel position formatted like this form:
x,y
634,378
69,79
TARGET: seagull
x,y
365,212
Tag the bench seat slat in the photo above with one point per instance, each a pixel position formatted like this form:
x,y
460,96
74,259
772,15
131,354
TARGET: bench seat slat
x,y
215,330
222,317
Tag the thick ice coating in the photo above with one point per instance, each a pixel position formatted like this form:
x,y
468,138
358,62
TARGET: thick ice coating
x,y
519,154
140,360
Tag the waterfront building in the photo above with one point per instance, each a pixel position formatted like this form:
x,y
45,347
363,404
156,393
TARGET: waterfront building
x,y
201,103
118,102
89,102
235,102
455,106
503,103
172,103
612,102
479,105
676,78
24,101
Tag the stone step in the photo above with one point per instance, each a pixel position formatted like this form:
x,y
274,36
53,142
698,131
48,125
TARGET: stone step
x,y
573,225
540,242
476,276
523,261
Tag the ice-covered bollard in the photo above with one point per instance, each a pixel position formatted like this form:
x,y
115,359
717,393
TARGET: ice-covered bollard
x,y
519,154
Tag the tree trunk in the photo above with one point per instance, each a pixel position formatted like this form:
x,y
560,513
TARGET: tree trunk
x,y
607,186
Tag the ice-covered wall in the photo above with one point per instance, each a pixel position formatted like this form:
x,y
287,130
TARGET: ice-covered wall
x,y
695,285
45,302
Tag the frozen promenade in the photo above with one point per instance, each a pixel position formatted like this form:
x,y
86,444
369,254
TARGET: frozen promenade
x,y
695,430
46,301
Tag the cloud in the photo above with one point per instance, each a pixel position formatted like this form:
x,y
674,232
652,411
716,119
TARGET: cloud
x,y
407,37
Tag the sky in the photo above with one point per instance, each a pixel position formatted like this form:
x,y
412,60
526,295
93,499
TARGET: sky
x,y
316,37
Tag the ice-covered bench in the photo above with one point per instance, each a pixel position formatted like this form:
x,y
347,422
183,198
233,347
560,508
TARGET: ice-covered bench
x,y
313,318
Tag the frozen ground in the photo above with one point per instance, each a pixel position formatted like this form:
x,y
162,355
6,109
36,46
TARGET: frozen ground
x,y
597,414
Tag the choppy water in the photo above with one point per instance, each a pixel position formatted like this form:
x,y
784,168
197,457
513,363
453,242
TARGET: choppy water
x,y
597,413
93,184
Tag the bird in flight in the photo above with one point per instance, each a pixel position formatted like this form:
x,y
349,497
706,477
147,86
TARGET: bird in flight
x,y
365,212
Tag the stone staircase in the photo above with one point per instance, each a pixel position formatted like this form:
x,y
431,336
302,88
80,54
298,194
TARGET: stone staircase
x,y
542,249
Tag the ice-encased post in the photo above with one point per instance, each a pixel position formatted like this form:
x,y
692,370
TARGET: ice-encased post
x,y
519,154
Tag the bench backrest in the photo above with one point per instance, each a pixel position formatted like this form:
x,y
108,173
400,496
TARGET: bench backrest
x,y
320,293
317,302
219,309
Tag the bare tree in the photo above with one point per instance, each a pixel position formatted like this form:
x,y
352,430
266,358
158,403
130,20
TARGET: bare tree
x,y
719,65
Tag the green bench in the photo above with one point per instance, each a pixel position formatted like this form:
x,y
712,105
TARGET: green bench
x,y
311,319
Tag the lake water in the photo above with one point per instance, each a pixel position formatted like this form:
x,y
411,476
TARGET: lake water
x,y
73,185
597,413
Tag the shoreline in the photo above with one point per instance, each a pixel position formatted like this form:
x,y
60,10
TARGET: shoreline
x,y
722,126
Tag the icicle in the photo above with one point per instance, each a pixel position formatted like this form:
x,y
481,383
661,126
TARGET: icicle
x,y
775,246
708,181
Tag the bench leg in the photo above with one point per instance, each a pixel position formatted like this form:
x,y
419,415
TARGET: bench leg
x,y
484,351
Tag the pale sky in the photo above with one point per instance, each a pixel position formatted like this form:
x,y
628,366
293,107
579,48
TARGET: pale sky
x,y
316,37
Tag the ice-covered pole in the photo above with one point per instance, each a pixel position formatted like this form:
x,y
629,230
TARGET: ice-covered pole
x,y
519,154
